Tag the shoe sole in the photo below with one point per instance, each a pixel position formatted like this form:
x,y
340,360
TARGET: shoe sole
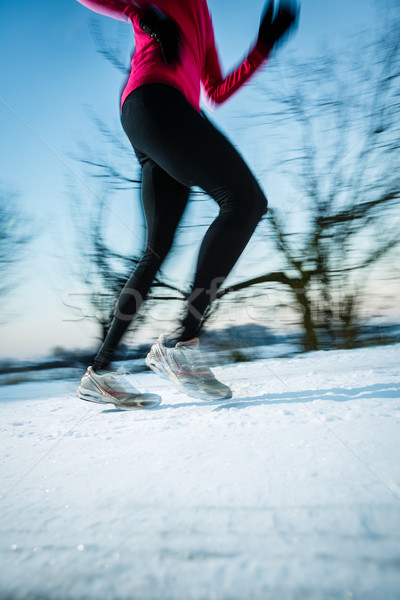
x,y
145,403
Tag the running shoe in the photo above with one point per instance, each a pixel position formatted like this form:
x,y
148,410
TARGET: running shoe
x,y
184,366
113,388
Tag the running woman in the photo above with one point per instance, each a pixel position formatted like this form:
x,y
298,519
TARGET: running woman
x,y
177,148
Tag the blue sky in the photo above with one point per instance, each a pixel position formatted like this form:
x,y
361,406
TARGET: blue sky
x,y
50,74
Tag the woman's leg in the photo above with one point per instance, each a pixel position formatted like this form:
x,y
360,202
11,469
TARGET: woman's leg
x,y
164,201
161,124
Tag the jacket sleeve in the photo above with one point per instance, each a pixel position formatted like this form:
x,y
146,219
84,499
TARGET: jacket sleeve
x,y
219,88
118,9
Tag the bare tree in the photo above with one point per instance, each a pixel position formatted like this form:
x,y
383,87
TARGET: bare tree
x,y
15,234
342,230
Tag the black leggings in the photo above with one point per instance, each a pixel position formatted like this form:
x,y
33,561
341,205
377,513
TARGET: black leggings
x,y
178,148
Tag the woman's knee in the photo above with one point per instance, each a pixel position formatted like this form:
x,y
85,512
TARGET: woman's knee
x,y
260,202
248,202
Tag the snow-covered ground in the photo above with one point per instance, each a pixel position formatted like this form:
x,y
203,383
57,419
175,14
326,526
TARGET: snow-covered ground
x,y
291,490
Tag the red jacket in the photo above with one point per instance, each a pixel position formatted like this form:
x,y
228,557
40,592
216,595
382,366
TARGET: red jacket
x,y
199,61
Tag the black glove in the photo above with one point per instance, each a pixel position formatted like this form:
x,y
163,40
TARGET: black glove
x,y
164,30
272,30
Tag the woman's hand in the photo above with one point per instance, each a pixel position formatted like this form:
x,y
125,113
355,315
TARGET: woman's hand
x,y
272,30
165,31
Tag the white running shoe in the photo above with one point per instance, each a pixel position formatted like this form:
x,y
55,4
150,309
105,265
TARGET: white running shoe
x,y
113,388
184,366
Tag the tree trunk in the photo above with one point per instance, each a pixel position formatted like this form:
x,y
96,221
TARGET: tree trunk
x,y
310,336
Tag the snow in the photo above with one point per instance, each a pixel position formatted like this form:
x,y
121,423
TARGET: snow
x,y
290,490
